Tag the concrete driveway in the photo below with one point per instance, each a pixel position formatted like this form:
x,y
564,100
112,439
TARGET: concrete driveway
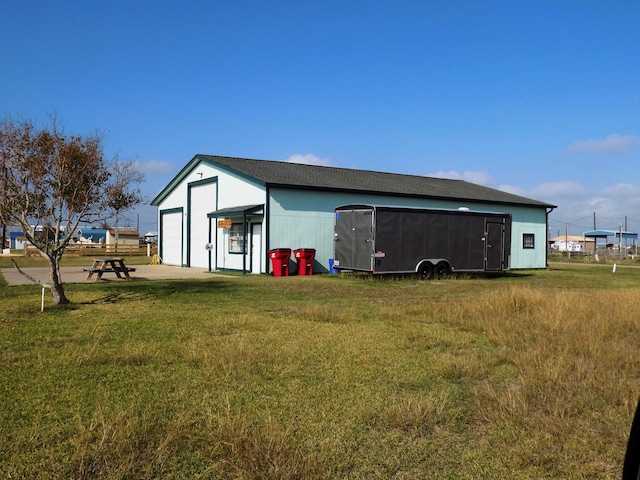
x,y
77,275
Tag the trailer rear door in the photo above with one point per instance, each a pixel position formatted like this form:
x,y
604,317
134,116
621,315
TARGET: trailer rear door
x,y
353,242
494,245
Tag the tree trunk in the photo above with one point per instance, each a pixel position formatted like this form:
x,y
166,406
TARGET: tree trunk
x,y
57,290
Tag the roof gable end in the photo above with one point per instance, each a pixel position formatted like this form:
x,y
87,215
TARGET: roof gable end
x,y
186,170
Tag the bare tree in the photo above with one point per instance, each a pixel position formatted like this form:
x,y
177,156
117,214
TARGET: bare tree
x,y
50,182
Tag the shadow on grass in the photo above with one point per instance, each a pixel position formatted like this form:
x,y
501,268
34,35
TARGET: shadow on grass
x,y
497,275
158,289
452,276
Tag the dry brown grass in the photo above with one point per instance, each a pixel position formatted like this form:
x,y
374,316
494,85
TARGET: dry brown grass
x,y
519,377
577,374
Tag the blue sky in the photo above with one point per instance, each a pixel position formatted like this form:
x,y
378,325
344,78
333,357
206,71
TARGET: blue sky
x,y
537,98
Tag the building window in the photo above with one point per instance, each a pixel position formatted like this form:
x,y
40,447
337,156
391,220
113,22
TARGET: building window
x,y
236,238
528,240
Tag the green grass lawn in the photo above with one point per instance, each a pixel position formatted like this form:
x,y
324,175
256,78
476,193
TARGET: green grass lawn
x,y
529,375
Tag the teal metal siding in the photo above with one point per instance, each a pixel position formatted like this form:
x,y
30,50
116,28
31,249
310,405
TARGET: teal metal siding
x,y
304,219
528,221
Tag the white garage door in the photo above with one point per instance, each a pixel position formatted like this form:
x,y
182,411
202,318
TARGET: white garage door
x,y
171,237
202,201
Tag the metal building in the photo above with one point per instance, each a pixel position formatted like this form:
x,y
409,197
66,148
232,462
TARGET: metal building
x,y
226,213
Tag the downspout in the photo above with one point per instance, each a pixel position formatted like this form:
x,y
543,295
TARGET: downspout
x,y
546,242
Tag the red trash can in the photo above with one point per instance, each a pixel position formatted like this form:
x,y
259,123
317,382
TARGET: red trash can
x,y
304,257
280,261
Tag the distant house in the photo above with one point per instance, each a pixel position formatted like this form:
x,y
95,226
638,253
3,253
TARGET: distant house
x,y
572,243
150,237
570,246
225,213
122,237
17,240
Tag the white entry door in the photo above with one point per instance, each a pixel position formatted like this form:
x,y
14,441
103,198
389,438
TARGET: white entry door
x,y
256,248
202,201
171,246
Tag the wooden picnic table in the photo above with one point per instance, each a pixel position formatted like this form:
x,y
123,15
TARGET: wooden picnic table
x,y
108,265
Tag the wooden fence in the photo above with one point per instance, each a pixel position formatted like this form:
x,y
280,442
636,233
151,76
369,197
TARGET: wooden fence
x,y
100,250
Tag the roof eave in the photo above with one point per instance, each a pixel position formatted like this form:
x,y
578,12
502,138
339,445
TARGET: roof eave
x,y
409,195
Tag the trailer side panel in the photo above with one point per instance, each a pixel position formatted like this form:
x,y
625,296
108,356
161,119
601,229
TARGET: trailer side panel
x,y
404,238
396,240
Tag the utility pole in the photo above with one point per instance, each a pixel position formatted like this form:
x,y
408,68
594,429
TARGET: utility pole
x,y
626,243
620,244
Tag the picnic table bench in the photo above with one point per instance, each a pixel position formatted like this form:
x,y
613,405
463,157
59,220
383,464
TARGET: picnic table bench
x,y
108,265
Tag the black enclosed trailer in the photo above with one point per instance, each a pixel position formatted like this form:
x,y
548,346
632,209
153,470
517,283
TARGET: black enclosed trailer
x,y
430,242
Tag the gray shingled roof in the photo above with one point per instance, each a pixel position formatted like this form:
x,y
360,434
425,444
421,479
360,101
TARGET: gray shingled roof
x,y
295,175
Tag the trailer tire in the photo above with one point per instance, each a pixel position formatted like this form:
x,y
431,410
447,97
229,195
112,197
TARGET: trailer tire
x,y
425,271
442,270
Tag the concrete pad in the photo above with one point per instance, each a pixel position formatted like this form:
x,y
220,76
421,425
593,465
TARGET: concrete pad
x,y
77,275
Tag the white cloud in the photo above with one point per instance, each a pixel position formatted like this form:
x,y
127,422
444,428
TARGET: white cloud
x,y
603,205
153,166
622,190
478,177
309,159
577,204
611,144
559,190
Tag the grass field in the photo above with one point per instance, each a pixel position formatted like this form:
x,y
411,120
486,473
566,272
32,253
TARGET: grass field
x,y
531,375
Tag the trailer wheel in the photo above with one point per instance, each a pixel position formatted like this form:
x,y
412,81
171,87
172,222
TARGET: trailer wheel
x,y
442,270
425,272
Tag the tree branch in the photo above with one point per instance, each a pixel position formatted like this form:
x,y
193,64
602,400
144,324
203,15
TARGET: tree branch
x,y
35,280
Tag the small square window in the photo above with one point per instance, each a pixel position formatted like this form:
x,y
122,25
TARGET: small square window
x,y
236,238
528,240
